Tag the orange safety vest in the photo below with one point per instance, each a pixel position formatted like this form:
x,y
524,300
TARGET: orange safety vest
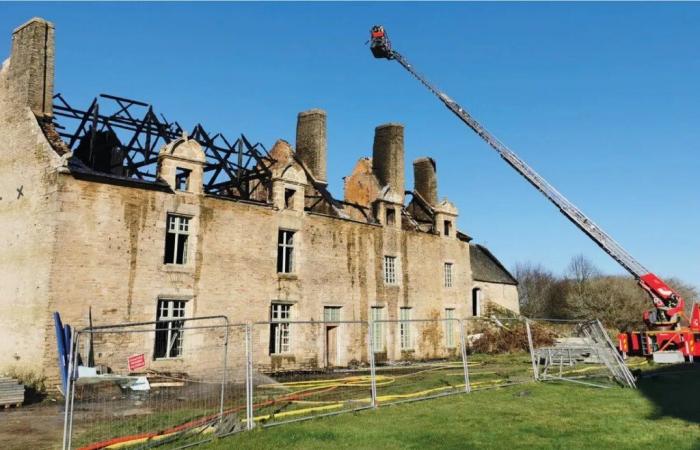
x,y
377,34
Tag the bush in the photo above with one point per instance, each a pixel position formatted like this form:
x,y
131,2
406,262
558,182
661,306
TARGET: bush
x,y
511,338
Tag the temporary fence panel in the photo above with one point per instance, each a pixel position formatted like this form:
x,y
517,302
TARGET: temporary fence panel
x,y
147,383
418,359
577,351
304,369
498,350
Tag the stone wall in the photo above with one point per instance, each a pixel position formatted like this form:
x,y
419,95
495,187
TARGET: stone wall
x,y
27,205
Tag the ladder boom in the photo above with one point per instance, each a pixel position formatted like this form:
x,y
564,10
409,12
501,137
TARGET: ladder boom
x,y
575,215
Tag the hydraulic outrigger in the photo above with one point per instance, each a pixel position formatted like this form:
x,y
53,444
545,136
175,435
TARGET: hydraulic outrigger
x,y
665,321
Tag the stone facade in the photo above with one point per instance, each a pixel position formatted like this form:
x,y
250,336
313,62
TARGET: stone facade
x,y
74,240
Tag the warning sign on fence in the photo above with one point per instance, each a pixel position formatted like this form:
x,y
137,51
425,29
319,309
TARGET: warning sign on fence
x,y
137,362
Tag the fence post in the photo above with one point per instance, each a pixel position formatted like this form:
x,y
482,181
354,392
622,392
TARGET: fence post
x,y
372,371
465,364
67,394
224,375
249,376
532,349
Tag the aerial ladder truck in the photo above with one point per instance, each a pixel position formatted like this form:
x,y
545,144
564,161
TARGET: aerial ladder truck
x,y
668,332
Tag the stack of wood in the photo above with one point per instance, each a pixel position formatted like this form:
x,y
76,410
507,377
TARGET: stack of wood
x,y
11,392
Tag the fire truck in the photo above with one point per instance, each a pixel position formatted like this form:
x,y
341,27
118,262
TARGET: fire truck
x,y
669,335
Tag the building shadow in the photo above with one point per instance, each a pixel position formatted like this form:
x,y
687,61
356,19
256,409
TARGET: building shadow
x,y
674,390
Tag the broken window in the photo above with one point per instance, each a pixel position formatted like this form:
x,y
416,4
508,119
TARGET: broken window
x,y
331,313
405,328
285,251
390,269
448,275
168,329
448,227
450,328
390,216
176,239
289,198
280,314
182,179
377,329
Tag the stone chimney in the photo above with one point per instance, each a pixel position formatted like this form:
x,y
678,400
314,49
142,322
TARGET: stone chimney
x,y
311,142
387,156
32,66
425,179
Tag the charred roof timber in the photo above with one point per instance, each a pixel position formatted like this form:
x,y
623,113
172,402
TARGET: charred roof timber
x,y
121,136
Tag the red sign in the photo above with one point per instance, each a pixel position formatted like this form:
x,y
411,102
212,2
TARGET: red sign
x,y
137,362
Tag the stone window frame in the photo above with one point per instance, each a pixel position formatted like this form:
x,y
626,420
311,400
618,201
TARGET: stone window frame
x,y
448,272
280,328
405,332
391,269
449,328
180,227
377,313
285,259
170,309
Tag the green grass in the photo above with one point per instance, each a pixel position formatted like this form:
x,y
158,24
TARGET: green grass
x,y
663,413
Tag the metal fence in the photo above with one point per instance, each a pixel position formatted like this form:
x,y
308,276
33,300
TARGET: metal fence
x,y
176,383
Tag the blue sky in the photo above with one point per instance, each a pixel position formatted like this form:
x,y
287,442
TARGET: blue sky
x,y
601,99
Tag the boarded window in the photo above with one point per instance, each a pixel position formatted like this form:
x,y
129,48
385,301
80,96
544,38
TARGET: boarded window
x,y
176,237
168,329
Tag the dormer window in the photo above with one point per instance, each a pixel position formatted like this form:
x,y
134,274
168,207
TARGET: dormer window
x,y
448,227
289,198
182,179
390,216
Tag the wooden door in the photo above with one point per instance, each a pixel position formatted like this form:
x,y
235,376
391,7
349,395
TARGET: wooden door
x,y
331,346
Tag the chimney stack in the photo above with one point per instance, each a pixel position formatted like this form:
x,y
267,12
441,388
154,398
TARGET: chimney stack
x,y
311,142
387,156
425,179
32,65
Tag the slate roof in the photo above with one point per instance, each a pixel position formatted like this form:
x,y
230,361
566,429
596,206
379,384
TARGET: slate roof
x,y
486,267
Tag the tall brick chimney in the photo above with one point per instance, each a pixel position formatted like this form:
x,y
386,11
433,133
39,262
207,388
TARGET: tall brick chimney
x,y
311,142
425,179
387,156
32,65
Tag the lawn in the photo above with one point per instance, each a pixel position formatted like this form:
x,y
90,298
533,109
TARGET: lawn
x,y
663,413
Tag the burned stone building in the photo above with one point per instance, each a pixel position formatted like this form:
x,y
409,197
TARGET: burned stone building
x,y
114,209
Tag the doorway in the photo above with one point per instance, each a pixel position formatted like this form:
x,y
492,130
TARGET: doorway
x,y
331,345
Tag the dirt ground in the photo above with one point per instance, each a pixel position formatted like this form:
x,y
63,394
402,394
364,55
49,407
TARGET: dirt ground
x,y
32,427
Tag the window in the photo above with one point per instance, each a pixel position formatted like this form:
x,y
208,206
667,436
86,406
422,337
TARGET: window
x,y
448,227
285,251
169,334
289,198
331,313
182,179
279,328
176,239
476,302
390,216
448,275
449,328
377,329
405,328
390,269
